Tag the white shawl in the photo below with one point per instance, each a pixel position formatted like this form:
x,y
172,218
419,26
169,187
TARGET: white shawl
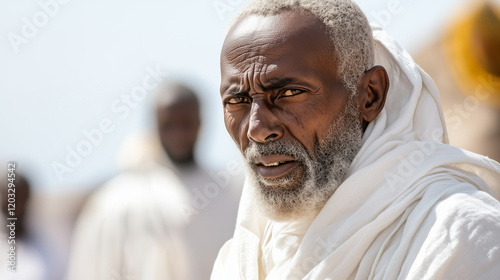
x,y
412,206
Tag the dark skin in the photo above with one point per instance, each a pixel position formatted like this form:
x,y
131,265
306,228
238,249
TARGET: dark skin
x,y
178,124
279,81
21,193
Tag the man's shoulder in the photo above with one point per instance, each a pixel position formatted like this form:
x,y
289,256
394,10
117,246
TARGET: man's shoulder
x,y
460,235
468,203
459,206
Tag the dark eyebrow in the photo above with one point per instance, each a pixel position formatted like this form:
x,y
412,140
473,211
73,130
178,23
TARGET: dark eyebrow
x,y
271,84
231,89
235,93
276,83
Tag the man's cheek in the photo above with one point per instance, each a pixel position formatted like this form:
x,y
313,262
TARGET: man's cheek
x,y
237,128
243,140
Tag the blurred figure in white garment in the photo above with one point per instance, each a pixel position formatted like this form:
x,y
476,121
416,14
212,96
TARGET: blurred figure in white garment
x,y
131,229
214,195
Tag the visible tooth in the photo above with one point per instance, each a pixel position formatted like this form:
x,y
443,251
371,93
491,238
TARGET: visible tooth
x,y
272,164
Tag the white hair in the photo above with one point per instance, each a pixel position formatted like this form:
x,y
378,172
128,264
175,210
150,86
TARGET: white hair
x,y
346,25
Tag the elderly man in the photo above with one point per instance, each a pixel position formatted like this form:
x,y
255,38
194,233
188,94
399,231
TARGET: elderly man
x,y
349,171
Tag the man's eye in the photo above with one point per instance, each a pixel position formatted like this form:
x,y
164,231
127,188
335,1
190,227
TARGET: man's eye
x,y
237,100
291,92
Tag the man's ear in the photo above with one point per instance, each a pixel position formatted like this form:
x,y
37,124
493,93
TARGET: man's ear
x,y
373,89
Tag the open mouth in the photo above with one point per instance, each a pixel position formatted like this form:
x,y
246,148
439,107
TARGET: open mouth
x,y
274,163
275,166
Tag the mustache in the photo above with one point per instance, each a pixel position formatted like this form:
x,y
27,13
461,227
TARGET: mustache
x,y
292,149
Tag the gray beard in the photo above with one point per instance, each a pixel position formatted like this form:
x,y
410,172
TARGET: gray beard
x,y
304,191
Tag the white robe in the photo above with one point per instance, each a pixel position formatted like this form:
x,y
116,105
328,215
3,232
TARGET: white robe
x,y
131,228
209,213
412,207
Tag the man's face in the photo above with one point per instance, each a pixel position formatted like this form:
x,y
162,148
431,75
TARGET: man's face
x,y
286,110
178,125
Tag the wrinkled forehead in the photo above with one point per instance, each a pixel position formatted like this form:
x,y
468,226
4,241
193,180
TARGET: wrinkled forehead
x,y
293,32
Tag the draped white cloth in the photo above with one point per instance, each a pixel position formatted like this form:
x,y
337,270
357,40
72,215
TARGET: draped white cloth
x,y
412,206
132,229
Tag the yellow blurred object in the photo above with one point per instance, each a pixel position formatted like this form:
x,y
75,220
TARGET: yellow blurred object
x,y
462,56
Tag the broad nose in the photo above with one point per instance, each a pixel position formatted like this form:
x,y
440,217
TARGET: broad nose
x,y
263,125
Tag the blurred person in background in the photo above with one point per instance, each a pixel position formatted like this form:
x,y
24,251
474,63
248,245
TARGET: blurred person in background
x,y
29,262
211,211
465,64
131,229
